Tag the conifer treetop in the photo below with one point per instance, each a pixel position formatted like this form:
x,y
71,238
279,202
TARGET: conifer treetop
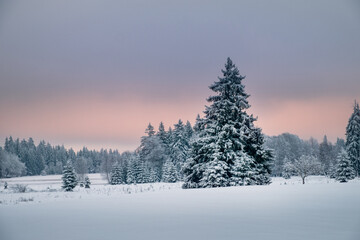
x,y
230,86
150,130
161,127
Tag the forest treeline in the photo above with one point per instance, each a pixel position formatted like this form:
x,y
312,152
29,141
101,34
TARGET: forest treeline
x,y
158,148
25,158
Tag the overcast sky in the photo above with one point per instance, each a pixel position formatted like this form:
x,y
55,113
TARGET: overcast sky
x,y
95,73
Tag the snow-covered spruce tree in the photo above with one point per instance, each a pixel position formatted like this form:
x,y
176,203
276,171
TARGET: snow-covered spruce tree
x,y
169,172
87,182
344,170
180,145
138,171
230,149
116,176
152,151
162,135
134,171
165,140
69,177
353,139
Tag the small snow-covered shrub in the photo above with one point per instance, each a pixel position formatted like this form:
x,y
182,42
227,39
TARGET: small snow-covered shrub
x,y
286,175
19,188
22,199
87,182
48,189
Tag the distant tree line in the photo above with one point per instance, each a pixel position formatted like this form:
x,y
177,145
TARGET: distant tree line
x,y
45,159
287,148
159,157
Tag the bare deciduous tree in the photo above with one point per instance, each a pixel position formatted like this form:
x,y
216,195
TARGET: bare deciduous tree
x,y
107,163
10,165
81,167
304,166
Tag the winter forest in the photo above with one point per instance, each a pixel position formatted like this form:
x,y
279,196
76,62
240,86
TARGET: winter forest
x,y
223,148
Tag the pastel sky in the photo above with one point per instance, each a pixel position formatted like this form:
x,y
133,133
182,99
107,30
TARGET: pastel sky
x,y
95,73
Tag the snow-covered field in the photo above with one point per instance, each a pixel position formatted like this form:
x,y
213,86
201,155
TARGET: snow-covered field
x,y
286,209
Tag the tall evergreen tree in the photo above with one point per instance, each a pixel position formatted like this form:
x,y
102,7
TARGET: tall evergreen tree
x,y
12,146
180,144
162,133
229,142
134,171
165,139
353,138
152,152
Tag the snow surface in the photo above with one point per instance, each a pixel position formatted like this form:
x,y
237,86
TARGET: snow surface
x,y
286,209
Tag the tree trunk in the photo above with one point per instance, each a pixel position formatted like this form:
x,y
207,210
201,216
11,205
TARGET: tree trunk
x,y
303,180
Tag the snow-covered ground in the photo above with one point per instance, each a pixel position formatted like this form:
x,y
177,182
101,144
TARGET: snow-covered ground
x,y
286,209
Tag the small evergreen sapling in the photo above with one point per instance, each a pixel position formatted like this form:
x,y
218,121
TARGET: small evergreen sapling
x,y
69,178
87,182
344,170
286,175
